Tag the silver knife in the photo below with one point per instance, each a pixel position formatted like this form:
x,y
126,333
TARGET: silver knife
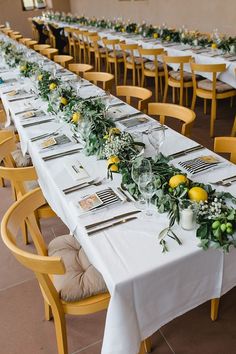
x,y
186,151
117,217
126,116
122,221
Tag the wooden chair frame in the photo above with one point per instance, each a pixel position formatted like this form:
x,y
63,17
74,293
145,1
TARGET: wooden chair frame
x,y
105,78
63,60
129,51
213,69
226,144
50,52
80,69
112,56
142,94
184,114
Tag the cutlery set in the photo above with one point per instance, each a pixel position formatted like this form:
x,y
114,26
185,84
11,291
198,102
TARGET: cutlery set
x,y
46,135
128,116
82,185
198,165
225,182
61,154
186,151
36,123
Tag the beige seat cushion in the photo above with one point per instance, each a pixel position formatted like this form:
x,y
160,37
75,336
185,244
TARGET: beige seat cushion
x,y
150,65
176,75
81,279
138,60
30,185
220,86
102,50
20,159
118,54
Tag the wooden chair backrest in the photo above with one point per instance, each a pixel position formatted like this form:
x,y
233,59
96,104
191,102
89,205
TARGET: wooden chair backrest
x,y
7,146
100,77
42,265
49,52
111,46
181,60
129,51
181,113
80,69
142,94
63,60
226,144
213,69
39,47
24,39
31,44
154,53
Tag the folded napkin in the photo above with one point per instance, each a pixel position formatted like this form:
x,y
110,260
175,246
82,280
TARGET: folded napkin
x,y
76,170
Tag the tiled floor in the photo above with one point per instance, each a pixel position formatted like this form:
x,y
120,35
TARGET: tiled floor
x,y
23,329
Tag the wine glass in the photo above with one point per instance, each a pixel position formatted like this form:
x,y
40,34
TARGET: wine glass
x,y
147,189
156,138
141,166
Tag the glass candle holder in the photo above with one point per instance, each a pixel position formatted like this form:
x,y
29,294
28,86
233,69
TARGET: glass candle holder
x,y
187,220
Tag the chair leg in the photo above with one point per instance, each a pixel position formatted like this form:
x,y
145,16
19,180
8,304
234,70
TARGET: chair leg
x,y
214,309
148,345
205,106
186,97
134,77
24,233
116,74
156,89
165,93
138,72
181,94
161,86
2,183
233,133
231,101
125,75
193,102
213,117
60,327
142,348
173,94
47,311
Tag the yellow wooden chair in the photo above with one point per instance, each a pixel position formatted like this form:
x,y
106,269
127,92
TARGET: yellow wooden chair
x,y
17,37
45,267
153,68
210,89
24,40
113,56
13,34
80,69
50,53
63,60
183,114
90,46
22,178
30,44
179,79
226,144
82,46
105,79
142,94
131,61
39,47
69,31
99,52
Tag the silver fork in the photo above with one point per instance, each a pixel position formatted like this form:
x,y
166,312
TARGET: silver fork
x,y
94,182
225,181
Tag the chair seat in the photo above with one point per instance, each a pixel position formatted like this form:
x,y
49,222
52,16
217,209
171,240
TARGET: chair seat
x,y
137,60
150,65
20,159
102,50
117,54
221,87
81,279
176,75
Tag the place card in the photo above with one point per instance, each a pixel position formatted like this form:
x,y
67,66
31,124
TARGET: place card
x,y
90,202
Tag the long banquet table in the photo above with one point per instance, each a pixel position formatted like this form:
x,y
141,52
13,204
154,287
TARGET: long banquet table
x,y
148,288
173,49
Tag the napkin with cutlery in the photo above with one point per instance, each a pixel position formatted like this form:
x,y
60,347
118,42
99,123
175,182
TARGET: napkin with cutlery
x,y
76,170
201,164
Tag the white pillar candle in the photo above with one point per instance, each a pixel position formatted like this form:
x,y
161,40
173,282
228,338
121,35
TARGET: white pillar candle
x,y
187,220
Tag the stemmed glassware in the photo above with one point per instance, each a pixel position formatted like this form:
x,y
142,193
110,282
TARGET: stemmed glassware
x,y
147,188
156,138
141,166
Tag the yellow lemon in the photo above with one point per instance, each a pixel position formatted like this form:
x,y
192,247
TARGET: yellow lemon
x,y
114,168
40,77
22,68
76,117
176,180
63,101
123,30
113,159
114,131
214,46
168,38
155,35
197,194
52,86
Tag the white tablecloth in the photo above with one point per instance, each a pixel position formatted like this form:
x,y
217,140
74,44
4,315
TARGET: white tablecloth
x,y
148,288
